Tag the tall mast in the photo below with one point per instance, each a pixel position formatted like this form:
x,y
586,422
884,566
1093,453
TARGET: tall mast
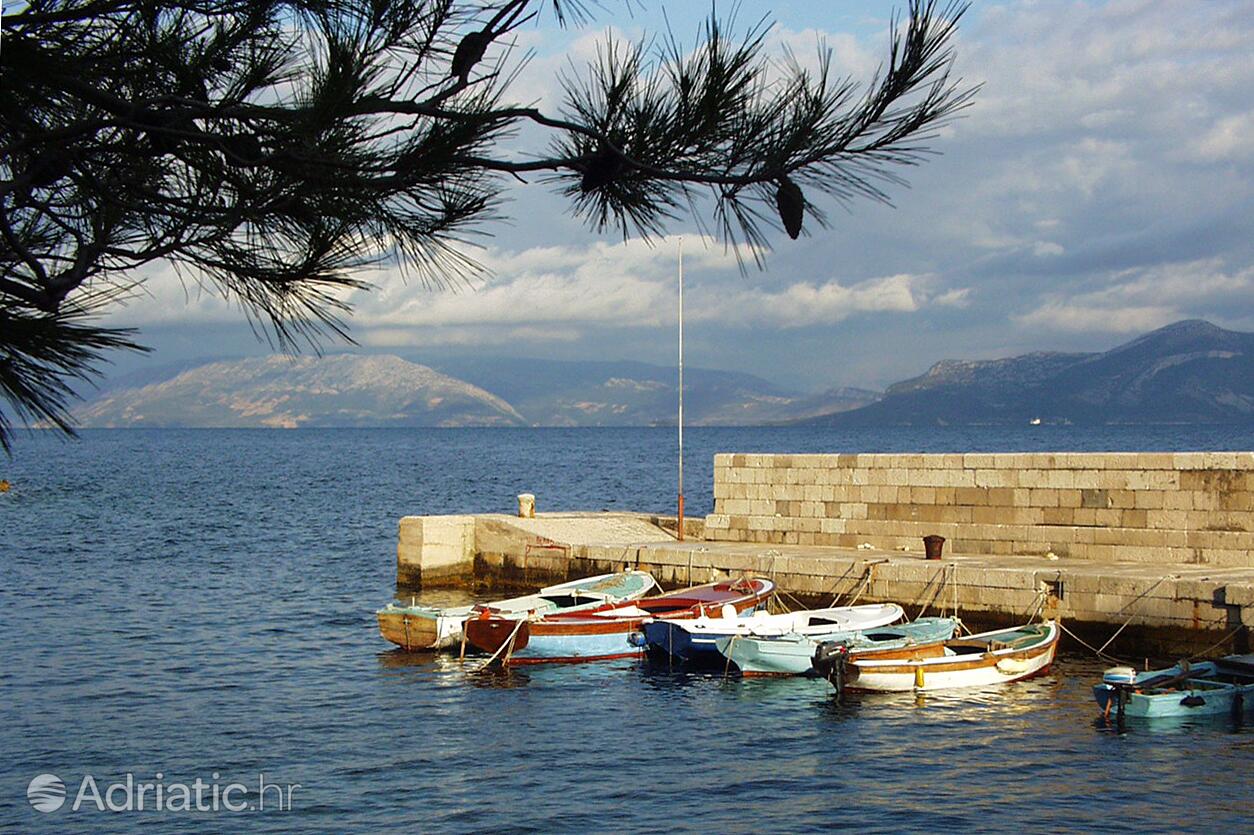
x,y
681,390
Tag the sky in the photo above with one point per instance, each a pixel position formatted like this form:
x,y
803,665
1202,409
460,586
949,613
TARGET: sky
x,y
1099,187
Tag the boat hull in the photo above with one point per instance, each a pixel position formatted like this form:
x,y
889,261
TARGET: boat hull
x,y
1201,693
698,638
792,655
418,630
956,667
589,636
561,643
427,628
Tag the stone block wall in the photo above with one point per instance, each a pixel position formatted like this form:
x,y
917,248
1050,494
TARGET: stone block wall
x,y
1192,507
435,550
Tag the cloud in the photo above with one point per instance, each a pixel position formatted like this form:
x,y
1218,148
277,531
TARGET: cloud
x,y
1229,138
1139,300
1101,184
555,293
804,304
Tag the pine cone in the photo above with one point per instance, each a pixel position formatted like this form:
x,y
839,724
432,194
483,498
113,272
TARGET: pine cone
x,y
791,204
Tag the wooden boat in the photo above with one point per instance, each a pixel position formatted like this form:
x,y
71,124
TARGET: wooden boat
x,y
996,657
692,637
791,655
611,631
426,627
1205,688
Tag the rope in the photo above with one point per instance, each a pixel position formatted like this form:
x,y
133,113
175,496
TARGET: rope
x,y
509,643
863,586
786,607
1091,648
953,576
1156,584
1218,643
944,572
836,597
730,647
1039,606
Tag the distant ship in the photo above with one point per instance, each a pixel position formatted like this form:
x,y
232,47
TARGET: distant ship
x,y
1035,422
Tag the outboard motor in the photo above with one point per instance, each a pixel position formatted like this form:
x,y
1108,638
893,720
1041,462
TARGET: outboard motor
x,y
1119,675
829,662
1119,681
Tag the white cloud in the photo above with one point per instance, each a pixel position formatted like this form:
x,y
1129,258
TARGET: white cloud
x,y
554,293
1078,317
804,303
1140,300
958,297
1231,137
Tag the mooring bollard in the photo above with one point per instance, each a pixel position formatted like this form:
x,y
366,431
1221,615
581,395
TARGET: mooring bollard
x,y
933,545
527,505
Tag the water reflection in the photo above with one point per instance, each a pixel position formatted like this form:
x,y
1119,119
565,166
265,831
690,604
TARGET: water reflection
x,y
1171,725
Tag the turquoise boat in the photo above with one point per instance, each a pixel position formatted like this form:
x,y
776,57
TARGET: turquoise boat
x,y
792,654
1204,688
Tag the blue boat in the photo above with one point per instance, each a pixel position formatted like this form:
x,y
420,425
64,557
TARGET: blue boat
x,y
1204,688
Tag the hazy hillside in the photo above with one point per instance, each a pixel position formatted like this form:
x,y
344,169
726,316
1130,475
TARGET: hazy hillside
x,y
279,391
1189,372
553,393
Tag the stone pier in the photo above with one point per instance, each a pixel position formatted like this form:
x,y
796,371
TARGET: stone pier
x,y
1159,545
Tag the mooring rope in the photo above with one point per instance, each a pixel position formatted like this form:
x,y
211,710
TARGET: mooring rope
x,y
1218,643
509,643
1092,648
837,596
727,665
939,593
1132,602
867,577
1038,605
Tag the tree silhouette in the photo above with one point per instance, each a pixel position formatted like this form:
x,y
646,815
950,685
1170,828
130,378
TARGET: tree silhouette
x,y
271,150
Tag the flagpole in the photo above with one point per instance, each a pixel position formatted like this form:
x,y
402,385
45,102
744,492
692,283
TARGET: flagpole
x,y
681,391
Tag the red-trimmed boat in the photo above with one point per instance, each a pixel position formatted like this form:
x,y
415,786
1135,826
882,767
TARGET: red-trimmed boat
x,y
610,631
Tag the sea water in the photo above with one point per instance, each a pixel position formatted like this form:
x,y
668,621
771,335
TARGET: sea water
x,y
184,605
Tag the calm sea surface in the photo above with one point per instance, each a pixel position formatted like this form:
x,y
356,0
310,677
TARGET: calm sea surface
x,y
199,604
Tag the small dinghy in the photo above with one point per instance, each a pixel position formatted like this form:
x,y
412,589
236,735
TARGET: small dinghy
x,y
994,657
427,628
611,631
689,637
1204,688
791,655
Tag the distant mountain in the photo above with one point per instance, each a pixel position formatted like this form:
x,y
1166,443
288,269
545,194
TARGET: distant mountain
x,y
1189,372
280,391
351,390
588,393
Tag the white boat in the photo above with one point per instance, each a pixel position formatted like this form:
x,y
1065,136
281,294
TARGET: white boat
x,y
987,658
690,637
427,627
792,654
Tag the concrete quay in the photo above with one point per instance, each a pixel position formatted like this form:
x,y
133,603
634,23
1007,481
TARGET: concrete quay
x,y
1156,547
1164,611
